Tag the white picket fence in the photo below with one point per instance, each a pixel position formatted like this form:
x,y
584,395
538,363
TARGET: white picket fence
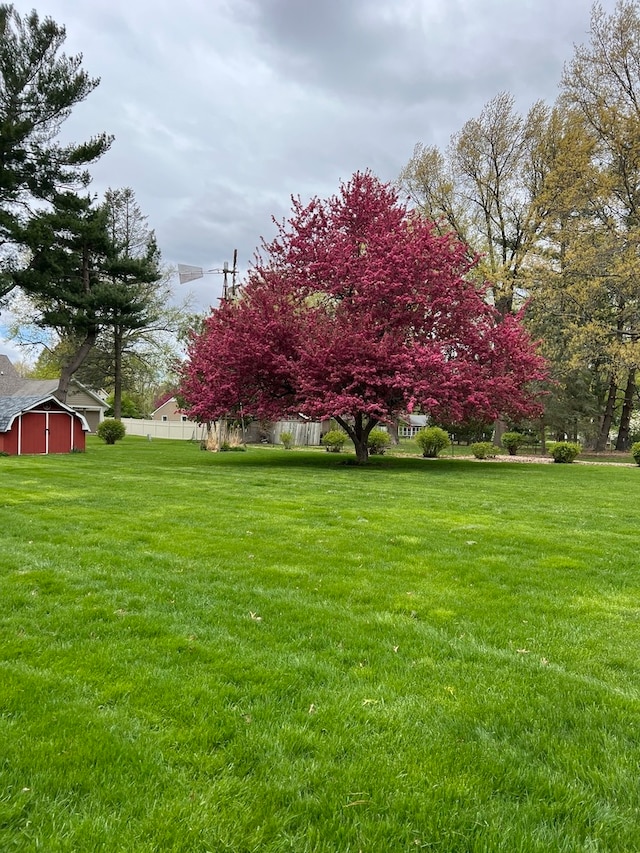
x,y
304,434
185,430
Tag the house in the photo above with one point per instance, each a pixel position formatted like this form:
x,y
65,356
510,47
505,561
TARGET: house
x,y
168,411
411,425
40,424
80,398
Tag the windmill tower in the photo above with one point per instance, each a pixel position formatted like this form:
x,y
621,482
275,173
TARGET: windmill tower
x,y
230,286
218,433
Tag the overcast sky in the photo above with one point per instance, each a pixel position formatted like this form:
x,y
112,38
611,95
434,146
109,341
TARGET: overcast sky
x,y
222,109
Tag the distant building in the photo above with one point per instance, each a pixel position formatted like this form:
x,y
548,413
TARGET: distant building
x,y
168,411
410,425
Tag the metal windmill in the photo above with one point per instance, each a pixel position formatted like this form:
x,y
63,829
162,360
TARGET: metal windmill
x,y
187,273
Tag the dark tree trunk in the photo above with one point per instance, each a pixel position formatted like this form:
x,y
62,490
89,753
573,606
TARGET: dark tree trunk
x,y
393,431
358,432
73,364
87,344
117,373
607,418
499,429
623,441
543,438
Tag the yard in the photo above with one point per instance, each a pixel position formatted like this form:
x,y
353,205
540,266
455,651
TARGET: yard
x,y
274,651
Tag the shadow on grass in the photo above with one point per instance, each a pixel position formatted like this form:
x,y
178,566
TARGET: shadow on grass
x,y
274,458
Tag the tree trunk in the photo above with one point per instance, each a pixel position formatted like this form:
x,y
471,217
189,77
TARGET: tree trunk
x,y
607,418
73,364
623,441
499,429
117,372
394,431
359,432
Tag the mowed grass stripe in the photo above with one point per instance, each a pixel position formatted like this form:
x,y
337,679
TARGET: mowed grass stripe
x,y
276,651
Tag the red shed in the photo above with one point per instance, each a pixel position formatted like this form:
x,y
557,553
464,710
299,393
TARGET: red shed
x,y
40,425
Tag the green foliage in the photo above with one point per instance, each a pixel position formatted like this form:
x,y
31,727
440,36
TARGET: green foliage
x,y
110,430
129,407
40,85
635,452
511,441
334,440
565,451
431,440
484,450
469,431
286,439
378,441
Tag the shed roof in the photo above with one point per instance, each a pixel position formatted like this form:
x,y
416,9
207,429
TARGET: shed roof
x,y
11,407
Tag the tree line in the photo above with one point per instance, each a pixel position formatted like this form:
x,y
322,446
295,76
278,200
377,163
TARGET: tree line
x,y
550,201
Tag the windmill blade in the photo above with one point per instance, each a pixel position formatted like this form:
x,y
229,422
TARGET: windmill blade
x,y
187,273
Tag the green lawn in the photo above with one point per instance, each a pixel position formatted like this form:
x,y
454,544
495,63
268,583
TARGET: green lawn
x,y
275,651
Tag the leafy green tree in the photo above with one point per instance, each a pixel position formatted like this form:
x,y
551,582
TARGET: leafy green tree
x,y
39,86
129,407
483,187
75,279
134,245
603,83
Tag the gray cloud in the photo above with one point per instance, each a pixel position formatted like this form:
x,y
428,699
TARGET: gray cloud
x,y
222,109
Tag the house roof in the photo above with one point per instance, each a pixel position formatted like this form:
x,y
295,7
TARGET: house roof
x,y
415,420
13,385
12,406
163,404
6,367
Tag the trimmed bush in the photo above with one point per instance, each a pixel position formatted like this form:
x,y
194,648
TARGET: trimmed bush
x,y
511,441
635,452
286,439
431,440
334,440
484,450
111,430
378,441
565,451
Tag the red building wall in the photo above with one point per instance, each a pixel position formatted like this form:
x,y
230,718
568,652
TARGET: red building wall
x,y
39,432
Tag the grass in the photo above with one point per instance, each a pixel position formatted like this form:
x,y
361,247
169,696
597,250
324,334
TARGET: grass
x,y
275,651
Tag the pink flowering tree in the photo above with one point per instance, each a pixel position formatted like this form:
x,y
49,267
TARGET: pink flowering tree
x,y
359,310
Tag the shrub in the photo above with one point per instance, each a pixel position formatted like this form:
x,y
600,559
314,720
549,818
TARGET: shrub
x,y
512,441
635,452
565,451
110,430
484,450
227,447
286,439
334,440
431,440
378,441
